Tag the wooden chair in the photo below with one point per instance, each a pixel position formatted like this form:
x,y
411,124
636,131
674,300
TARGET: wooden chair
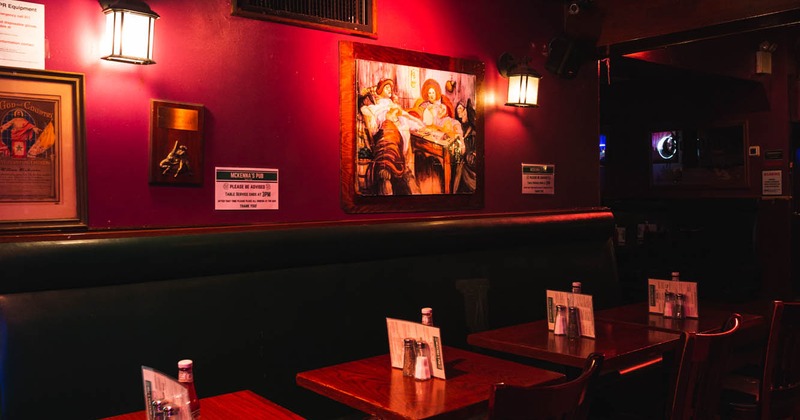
x,y
775,393
702,363
565,401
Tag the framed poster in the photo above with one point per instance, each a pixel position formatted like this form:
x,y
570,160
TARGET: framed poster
x,y
412,130
42,150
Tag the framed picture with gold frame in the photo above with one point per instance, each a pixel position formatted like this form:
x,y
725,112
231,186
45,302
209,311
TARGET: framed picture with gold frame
x,y
42,151
411,130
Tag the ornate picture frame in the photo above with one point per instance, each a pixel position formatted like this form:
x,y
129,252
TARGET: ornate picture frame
x,y
42,150
411,130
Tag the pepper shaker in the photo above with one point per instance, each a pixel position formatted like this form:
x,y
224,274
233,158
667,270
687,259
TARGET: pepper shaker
x,y
680,313
409,357
573,324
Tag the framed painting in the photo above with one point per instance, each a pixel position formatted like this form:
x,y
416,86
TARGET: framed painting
x,y
42,150
411,130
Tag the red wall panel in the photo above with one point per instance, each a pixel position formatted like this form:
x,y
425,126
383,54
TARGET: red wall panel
x,y
271,92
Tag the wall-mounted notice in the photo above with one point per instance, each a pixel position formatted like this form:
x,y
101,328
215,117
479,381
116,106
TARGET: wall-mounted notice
x,y
538,179
245,189
21,34
771,182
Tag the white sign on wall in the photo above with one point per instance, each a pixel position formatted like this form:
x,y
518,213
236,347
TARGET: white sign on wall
x,y
538,179
772,182
245,189
21,34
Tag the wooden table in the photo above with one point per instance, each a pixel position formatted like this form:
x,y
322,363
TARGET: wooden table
x,y
747,346
236,405
371,385
711,318
430,145
624,346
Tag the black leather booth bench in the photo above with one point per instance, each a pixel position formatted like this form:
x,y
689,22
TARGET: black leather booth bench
x,y
253,306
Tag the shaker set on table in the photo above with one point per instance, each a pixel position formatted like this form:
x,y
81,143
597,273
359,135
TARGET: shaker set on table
x,y
674,303
568,325
416,354
162,409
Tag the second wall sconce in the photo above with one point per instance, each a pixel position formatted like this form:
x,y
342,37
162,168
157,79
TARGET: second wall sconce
x,y
130,26
523,81
764,57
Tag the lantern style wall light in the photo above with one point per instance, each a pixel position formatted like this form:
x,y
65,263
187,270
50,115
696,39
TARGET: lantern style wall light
x,y
523,81
130,26
764,57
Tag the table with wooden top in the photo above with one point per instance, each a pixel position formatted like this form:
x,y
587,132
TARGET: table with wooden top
x,y
711,318
235,405
371,385
624,346
747,346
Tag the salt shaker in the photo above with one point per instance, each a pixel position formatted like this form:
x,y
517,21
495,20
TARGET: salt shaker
x,y
422,366
573,323
157,407
561,320
409,357
171,411
669,304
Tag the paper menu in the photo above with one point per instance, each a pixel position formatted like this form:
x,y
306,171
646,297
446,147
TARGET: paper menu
x,y
582,302
399,330
655,295
160,386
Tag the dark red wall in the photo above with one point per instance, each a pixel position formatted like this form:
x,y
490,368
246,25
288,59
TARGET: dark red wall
x,y
271,97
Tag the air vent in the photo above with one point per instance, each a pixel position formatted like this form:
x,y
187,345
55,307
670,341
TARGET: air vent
x,y
355,17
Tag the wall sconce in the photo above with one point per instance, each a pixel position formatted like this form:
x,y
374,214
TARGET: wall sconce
x,y
130,26
523,81
764,57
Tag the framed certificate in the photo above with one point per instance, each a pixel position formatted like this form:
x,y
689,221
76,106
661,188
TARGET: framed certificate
x,y
42,150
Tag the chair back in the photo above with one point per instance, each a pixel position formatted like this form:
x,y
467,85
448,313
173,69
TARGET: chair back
x,y
780,385
564,401
698,379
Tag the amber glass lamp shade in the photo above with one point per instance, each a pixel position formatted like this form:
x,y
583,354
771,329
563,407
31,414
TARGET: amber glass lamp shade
x,y
130,29
523,81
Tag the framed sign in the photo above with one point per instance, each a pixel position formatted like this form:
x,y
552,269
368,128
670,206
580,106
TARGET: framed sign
x,y
42,150
176,143
412,130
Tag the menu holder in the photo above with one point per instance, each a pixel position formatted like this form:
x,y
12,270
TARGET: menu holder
x,y
581,301
657,287
399,330
158,386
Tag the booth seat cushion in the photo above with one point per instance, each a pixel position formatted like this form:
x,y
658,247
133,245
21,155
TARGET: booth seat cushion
x,y
253,308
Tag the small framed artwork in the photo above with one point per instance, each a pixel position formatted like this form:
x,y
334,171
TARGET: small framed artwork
x,y
42,151
411,130
176,143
